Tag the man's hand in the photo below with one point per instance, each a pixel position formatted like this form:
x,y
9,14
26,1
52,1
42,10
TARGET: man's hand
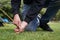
x,y
17,20
23,26
20,25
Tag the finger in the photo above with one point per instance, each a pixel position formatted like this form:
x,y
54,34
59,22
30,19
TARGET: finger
x,y
19,23
16,29
16,26
15,23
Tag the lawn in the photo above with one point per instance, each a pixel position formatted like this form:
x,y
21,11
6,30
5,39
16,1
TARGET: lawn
x,y
7,33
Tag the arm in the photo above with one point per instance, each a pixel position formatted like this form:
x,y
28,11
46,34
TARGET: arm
x,y
15,4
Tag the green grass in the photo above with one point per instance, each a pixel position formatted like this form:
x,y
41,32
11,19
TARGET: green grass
x,y
7,33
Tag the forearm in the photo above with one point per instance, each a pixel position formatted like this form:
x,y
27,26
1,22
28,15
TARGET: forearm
x,y
15,4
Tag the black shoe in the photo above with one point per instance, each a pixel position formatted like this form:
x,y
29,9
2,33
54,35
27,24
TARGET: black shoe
x,y
45,27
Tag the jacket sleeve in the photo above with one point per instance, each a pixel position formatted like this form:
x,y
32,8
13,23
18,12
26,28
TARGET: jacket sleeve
x,y
15,4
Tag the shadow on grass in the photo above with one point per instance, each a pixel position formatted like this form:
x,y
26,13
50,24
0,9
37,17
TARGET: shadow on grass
x,y
12,31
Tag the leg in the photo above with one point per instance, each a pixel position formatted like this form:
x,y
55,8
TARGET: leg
x,y
51,12
25,10
33,12
32,26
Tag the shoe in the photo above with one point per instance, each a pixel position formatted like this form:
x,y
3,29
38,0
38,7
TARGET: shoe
x,y
32,26
46,27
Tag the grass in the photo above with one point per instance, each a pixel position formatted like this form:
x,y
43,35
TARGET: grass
x,y
7,33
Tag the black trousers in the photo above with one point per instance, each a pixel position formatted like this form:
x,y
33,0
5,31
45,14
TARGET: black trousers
x,y
35,8
51,11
